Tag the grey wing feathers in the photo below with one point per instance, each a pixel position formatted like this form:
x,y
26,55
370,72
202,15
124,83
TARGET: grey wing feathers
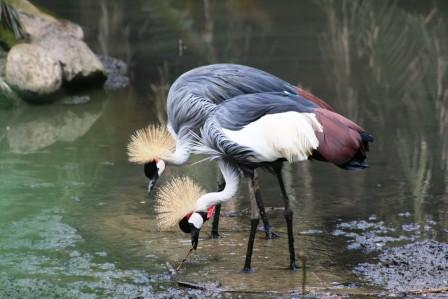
x,y
189,112
220,82
196,93
240,111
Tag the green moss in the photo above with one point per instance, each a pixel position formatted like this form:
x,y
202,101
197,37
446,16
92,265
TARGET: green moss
x,y
7,38
10,25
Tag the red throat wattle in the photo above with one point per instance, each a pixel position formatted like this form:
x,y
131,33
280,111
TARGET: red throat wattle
x,y
188,216
211,212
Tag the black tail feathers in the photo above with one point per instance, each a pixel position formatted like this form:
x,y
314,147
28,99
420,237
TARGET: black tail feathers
x,y
358,162
355,165
366,137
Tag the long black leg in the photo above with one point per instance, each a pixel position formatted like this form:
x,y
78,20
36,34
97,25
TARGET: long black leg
x,y
250,244
255,188
215,222
288,217
254,220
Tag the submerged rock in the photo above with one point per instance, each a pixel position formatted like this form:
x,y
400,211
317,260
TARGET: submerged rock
x,y
404,262
371,236
32,71
76,100
312,232
116,71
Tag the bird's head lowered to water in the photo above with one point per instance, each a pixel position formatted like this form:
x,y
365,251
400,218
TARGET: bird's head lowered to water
x,y
176,203
151,146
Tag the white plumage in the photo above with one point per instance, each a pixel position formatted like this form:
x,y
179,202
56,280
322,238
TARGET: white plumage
x,y
232,179
290,135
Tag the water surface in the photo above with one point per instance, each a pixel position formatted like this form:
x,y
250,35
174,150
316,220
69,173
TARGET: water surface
x,y
75,219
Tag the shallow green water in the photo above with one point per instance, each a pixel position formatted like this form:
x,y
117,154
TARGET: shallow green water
x,y
75,219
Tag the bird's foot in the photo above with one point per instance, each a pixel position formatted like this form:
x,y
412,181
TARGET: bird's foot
x,y
248,270
293,267
215,235
270,235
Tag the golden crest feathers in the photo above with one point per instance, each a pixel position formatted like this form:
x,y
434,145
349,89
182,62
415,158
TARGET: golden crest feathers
x,y
149,144
175,200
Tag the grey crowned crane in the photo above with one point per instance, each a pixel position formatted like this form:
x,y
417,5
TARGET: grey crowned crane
x,y
191,99
263,130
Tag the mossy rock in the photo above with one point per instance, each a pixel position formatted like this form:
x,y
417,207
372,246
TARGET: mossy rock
x,y
7,39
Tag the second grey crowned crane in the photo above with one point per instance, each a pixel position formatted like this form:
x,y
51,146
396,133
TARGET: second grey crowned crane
x,y
191,99
265,130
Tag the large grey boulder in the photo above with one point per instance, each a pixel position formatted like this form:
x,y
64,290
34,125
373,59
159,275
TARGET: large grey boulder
x,y
62,40
38,24
32,71
78,62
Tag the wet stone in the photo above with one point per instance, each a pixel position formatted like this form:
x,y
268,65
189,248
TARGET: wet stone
x,y
405,214
76,100
372,242
364,225
116,71
412,227
371,236
312,232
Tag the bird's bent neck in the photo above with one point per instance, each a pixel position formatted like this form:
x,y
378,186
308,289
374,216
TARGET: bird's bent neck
x,y
232,179
181,154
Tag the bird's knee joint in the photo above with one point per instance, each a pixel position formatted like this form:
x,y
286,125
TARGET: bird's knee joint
x,y
288,214
255,221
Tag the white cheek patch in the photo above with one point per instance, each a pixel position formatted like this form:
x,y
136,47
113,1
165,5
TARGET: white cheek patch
x,y
197,220
160,167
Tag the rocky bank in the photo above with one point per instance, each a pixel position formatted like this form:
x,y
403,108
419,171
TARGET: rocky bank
x,y
52,55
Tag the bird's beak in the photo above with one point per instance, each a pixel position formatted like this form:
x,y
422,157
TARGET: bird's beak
x,y
151,183
194,236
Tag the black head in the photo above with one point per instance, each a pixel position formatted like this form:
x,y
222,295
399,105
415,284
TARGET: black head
x,y
152,173
189,228
184,225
